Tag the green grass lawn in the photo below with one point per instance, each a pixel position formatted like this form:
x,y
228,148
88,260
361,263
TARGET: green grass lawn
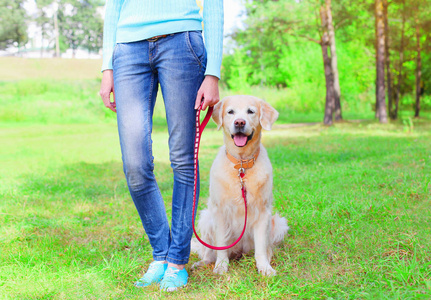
x,y
356,196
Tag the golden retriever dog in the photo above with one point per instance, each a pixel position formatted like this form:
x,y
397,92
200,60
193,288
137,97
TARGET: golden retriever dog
x,y
221,223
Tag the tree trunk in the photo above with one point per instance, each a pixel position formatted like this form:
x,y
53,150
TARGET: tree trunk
x,y
388,61
334,65
401,62
418,70
41,44
377,86
57,34
330,99
380,61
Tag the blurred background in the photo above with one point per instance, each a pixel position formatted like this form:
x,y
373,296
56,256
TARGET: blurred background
x,y
304,57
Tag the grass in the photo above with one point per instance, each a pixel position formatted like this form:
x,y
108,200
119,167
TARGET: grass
x,y
17,68
357,199
356,196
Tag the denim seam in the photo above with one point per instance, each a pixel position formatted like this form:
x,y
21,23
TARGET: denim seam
x,y
159,258
177,261
113,53
150,150
189,45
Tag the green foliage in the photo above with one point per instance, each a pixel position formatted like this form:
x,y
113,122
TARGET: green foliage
x,y
13,29
301,67
277,48
82,26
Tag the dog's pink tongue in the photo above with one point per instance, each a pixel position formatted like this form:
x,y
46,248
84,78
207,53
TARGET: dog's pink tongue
x,y
240,139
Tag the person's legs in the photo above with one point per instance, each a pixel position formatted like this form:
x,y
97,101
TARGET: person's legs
x,y
178,63
181,61
135,84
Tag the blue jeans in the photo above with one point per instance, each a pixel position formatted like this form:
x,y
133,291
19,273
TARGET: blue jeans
x,y
176,62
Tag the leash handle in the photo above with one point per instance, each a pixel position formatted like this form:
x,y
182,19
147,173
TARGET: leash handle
x,y
199,129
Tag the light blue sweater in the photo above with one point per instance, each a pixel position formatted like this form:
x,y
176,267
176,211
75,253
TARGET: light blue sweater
x,y
135,20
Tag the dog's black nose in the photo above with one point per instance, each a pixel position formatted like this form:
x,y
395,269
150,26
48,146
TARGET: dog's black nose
x,y
239,123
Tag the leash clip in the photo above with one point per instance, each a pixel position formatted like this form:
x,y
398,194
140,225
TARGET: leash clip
x,y
241,174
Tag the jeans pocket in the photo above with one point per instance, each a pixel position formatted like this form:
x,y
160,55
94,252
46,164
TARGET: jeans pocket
x,y
114,52
196,46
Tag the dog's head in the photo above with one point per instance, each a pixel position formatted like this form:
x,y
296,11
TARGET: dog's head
x,y
243,117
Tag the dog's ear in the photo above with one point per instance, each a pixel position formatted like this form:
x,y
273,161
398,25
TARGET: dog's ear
x,y
268,115
218,114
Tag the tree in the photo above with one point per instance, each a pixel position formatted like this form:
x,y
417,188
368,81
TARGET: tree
x,y
47,19
334,62
273,25
422,24
400,60
81,25
388,59
329,75
409,34
380,63
72,23
418,70
13,30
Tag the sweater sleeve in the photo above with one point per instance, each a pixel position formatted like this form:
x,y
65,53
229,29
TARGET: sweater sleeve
x,y
213,33
112,14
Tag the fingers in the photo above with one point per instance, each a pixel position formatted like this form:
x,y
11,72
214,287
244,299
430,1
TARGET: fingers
x,y
106,98
209,103
112,107
209,92
199,98
106,88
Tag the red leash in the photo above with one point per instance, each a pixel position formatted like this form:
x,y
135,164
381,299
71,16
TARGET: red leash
x,y
199,129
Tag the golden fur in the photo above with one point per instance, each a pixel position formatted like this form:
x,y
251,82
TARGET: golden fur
x,y
223,220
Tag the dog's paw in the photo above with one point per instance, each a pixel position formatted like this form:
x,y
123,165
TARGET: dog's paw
x,y
267,271
221,268
199,264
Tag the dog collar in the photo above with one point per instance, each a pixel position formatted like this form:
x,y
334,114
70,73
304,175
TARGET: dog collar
x,y
243,163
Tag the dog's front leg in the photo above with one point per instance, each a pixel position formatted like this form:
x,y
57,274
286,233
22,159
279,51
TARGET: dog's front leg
x,y
262,246
222,262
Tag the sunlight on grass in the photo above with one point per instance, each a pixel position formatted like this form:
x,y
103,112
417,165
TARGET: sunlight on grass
x,y
356,197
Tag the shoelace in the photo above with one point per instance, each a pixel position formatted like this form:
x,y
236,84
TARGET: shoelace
x,y
171,274
151,270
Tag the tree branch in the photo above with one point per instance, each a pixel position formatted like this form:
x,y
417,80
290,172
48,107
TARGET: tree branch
x,y
309,38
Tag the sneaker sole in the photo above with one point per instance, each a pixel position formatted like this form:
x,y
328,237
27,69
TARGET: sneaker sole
x,y
173,289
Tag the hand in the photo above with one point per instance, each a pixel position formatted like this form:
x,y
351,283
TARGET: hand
x,y
209,92
106,88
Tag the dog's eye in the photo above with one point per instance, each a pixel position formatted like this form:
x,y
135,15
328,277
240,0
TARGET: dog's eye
x,y
250,112
230,111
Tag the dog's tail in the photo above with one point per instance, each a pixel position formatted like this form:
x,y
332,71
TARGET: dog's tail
x,y
279,229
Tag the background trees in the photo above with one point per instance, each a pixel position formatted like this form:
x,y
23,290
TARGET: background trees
x,y
379,61
13,29
321,55
81,25
71,24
